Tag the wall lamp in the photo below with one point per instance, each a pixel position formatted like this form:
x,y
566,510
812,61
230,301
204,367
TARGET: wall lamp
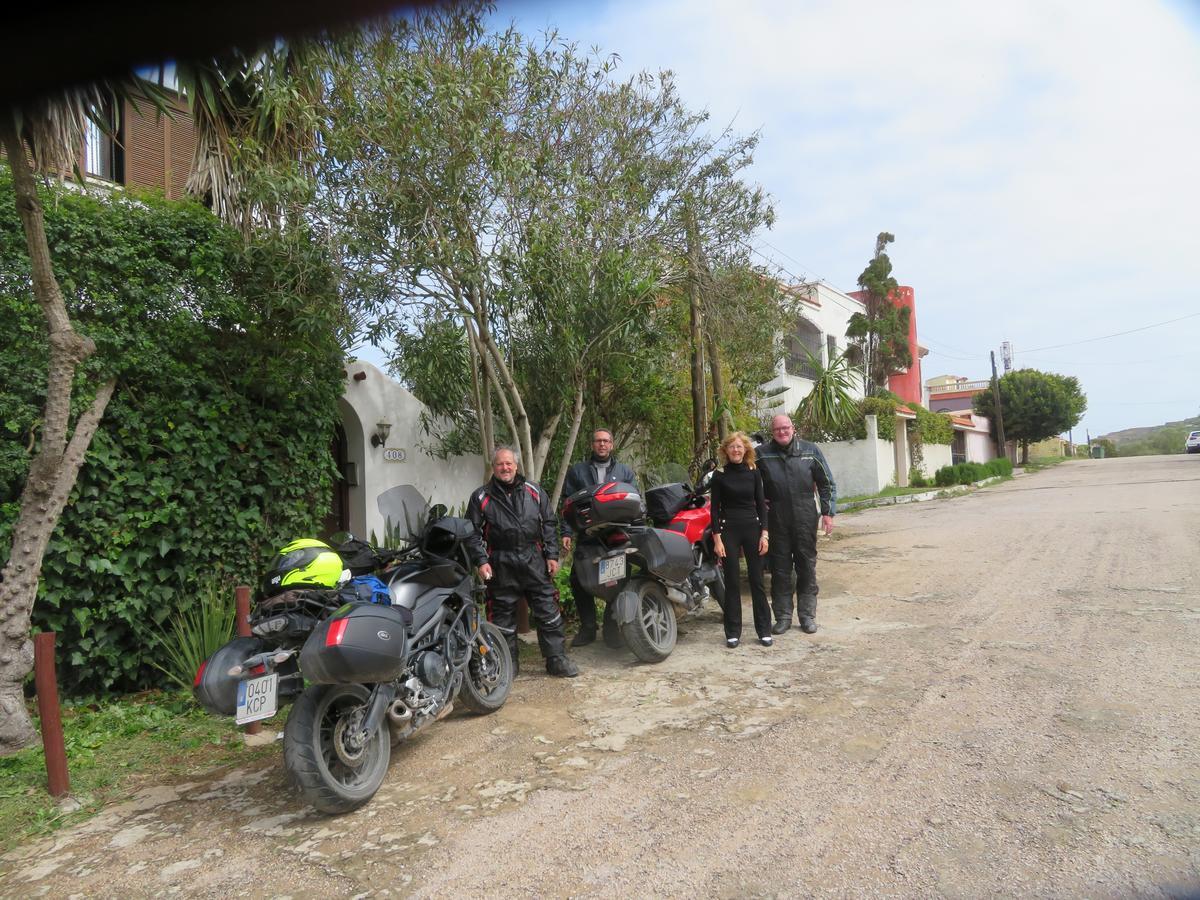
x,y
382,429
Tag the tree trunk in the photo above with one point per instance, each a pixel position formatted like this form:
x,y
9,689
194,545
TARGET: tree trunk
x,y
699,412
720,401
53,472
569,449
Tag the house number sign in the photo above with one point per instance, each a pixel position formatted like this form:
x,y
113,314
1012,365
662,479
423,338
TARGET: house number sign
x,y
394,454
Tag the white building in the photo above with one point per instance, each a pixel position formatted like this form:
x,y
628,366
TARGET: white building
x,y
821,330
386,475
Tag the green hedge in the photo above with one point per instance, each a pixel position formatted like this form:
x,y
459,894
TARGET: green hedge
x,y
215,446
970,472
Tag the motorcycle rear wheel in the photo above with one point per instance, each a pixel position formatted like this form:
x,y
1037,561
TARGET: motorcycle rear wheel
x,y
653,632
489,676
319,752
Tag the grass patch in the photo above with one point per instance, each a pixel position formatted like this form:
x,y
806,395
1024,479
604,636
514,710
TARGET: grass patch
x,y
891,491
1044,462
114,749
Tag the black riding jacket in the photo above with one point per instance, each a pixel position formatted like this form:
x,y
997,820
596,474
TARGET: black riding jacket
x,y
789,475
584,475
514,525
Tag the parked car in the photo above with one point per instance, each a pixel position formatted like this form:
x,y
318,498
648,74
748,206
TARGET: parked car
x,y
1192,444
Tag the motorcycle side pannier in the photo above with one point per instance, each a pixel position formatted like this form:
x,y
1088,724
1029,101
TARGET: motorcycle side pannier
x,y
611,502
664,501
361,643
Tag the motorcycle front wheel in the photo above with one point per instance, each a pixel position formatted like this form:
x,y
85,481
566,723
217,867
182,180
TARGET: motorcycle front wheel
x,y
325,759
652,633
489,675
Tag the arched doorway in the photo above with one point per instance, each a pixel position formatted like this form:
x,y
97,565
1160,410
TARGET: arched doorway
x,y
338,517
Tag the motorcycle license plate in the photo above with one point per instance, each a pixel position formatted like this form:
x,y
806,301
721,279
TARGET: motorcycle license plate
x,y
612,569
256,699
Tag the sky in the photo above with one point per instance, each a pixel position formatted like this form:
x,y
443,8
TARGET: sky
x,y
1035,159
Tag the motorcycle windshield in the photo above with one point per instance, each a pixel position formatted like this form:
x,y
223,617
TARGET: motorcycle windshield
x,y
405,512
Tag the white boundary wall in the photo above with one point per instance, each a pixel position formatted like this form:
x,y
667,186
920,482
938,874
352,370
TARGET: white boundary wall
x,y
868,466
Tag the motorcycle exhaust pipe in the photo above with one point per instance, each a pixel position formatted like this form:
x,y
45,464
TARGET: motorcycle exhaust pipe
x,y
400,712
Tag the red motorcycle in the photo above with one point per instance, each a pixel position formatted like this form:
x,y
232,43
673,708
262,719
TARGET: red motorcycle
x,y
646,571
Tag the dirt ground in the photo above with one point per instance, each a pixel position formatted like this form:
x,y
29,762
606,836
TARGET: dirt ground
x,y
1001,700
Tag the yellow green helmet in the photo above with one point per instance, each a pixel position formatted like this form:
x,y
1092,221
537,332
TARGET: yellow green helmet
x,y
303,563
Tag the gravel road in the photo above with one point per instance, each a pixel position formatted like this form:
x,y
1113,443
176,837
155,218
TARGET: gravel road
x,y
1001,701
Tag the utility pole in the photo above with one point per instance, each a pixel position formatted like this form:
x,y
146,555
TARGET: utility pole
x,y
999,411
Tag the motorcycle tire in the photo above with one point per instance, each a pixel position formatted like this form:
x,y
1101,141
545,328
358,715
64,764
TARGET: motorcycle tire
x,y
489,677
653,632
332,781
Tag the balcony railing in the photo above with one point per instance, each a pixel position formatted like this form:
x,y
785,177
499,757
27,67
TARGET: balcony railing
x,y
960,386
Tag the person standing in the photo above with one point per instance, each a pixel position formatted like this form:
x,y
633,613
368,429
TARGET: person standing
x,y
791,470
739,524
515,548
599,468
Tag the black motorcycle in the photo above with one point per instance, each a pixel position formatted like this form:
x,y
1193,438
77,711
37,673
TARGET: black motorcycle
x,y
645,572
378,673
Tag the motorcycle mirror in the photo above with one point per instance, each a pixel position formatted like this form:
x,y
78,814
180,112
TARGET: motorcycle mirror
x,y
437,511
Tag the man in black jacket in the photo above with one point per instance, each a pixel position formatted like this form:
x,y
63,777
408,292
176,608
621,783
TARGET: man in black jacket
x,y
791,469
599,468
516,550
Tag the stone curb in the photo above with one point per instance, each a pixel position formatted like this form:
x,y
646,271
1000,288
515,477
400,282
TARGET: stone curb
x,y
938,493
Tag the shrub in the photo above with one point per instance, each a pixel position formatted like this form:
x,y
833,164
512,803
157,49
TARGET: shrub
x,y
970,472
917,479
215,447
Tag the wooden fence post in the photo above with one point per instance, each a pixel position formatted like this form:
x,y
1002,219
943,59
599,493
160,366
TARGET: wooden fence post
x,y
46,681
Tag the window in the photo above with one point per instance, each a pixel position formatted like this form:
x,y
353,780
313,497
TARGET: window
x,y
100,154
831,348
804,340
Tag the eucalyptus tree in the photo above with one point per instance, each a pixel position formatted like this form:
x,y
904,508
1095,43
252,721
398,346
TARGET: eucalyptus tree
x,y
519,190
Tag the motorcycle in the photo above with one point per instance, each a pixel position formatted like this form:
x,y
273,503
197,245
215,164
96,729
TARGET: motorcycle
x,y
377,673
646,572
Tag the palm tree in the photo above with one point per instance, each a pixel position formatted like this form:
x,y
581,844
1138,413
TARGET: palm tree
x,y
241,106
830,408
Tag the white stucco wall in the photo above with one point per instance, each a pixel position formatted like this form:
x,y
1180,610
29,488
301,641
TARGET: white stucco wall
x,y
401,464
980,447
861,467
935,456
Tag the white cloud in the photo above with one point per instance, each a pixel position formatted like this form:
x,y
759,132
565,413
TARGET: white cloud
x,y
1035,159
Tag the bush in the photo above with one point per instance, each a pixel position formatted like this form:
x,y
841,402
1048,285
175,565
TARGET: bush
x,y
970,472
917,479
215,447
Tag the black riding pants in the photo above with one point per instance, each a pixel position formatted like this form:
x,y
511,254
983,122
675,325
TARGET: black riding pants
x,y
741,539
507,591
793,561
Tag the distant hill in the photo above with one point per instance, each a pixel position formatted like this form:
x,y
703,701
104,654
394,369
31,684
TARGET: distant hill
x,y
1153,439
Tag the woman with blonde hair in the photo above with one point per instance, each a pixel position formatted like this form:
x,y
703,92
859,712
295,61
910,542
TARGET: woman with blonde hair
x,y
739,524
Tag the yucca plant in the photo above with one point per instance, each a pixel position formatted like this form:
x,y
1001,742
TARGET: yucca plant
x,y
195,633
829,409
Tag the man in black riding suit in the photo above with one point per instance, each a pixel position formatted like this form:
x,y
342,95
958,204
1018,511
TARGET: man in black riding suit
x,y
515,547
599,468
791,468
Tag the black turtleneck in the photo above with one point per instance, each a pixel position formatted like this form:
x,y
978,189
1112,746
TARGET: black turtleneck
x,y
737,496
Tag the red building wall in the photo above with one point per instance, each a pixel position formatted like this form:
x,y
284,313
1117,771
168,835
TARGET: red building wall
x,y
906,385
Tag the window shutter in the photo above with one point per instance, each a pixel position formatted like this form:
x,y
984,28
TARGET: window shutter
x,y
144,147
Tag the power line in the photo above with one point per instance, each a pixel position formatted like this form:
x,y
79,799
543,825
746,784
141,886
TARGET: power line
x,y
1118,334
